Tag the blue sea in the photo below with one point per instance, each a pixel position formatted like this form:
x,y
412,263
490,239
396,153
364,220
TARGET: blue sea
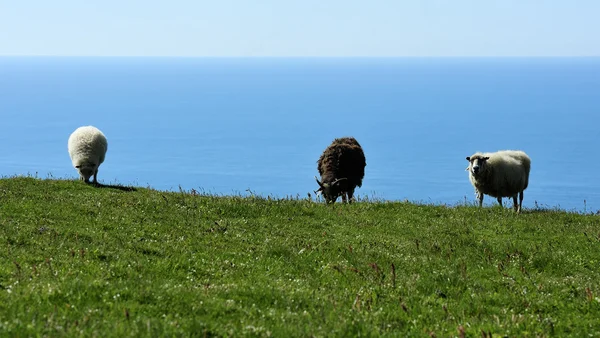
x,y
258,125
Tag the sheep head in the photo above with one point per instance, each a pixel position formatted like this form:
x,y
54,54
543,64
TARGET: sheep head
x,y
477,164
86,170
330,191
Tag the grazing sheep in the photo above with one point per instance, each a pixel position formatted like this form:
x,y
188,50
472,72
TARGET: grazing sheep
x,y
501,174
342,168
87,148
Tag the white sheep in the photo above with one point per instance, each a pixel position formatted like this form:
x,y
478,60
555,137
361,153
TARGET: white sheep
x,y
87,148
501,174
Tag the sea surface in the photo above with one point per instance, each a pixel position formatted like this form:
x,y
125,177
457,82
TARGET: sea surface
x,y
258,125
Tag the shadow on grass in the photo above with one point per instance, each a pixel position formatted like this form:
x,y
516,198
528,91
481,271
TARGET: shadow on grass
x,y
113,186
538,211
557,210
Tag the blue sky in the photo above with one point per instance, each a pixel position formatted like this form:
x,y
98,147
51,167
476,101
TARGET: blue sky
x,y
300,28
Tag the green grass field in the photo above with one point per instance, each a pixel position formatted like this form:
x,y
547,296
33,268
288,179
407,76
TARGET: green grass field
x,y
81,260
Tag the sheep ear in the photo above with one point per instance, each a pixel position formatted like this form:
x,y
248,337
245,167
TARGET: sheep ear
x,y
77,166
486,158
469,158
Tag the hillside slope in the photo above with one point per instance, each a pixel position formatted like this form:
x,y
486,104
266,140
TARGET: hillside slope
x,y
112,262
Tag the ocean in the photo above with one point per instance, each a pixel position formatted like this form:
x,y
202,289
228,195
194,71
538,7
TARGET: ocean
x,y
258,125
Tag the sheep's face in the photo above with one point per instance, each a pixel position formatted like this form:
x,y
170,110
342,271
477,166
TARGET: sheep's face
x,y
86,171
330,191
477,164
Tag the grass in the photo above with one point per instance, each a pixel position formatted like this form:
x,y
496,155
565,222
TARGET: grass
x,y
78,260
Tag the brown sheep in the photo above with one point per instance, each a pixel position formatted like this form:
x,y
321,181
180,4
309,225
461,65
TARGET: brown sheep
x,y
342,168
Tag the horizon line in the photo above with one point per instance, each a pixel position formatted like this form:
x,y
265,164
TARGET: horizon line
x,y
308,56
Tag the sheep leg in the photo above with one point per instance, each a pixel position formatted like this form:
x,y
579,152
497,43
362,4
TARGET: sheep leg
x,y
343,197
480,198
500,201
96,176
350,195
520,201
515,205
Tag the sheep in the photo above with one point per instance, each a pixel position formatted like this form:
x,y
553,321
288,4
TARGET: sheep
x,y
87,149
501,174
342,168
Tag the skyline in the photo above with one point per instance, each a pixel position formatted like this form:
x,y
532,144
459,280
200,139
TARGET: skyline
x,y
229,28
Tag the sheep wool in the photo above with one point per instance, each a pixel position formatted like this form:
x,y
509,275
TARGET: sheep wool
x,y
87,149
342,168
501,174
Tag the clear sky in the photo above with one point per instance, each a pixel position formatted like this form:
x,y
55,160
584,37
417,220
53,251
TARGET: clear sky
x,y
300,27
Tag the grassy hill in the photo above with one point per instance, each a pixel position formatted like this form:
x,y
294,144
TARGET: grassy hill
x,y
77,259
